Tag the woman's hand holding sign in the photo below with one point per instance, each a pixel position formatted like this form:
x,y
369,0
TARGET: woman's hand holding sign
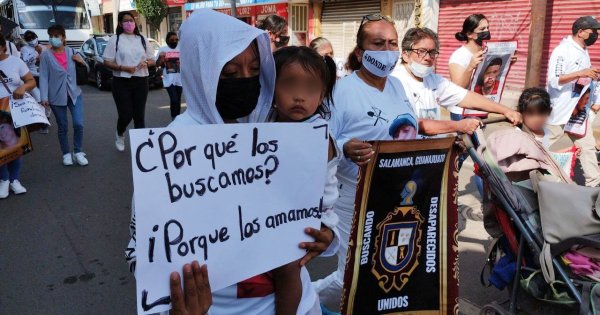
x,y
358,151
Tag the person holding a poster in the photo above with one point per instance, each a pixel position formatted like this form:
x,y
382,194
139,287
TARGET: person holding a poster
x,y
428,91
59,89
464,60
570,73
168,59
489,80
16,80
235,67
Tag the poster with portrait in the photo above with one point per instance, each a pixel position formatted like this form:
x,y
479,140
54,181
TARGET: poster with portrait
x,y
403,253
172,62
490,76
14,142
583,92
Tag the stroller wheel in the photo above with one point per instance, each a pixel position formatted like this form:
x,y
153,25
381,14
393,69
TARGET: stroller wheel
x,y
493,309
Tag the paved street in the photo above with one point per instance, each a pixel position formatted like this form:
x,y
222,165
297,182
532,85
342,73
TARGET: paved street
x,y
62,242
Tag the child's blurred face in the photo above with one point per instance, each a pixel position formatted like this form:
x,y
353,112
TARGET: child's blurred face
x,y
298,93
535,119
405,132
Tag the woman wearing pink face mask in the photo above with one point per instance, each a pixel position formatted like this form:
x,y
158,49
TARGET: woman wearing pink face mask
x,y
128,54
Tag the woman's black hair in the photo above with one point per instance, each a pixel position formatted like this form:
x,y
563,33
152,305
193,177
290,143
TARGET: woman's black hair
x,y
120,17
169,34
469,26
2,40
29,36
273,23
311,61
534,98
57,29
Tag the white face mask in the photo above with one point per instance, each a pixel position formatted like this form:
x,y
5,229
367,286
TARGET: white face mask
x,y
380,63
420,70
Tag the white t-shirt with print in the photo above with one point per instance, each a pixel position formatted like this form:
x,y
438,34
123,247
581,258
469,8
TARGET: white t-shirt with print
x,y
428,96
462,57
14,69
171,72
29,55
567,57
366,113
130,54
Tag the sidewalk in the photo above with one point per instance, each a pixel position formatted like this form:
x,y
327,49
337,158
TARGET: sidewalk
x,y
473,242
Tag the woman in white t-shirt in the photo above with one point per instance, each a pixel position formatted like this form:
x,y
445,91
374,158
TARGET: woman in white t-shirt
x,y
16,80
168,59
428,92
369,105
129,55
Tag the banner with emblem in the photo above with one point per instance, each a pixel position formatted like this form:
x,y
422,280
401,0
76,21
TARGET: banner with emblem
x,y
403,251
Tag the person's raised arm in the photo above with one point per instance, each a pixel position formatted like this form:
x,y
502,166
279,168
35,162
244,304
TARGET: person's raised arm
x,y
475,101
460,75
431,127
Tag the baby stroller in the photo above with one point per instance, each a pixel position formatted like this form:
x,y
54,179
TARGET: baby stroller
x,y
514,214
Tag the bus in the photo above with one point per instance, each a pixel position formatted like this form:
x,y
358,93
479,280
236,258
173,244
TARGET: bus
x,y
38,15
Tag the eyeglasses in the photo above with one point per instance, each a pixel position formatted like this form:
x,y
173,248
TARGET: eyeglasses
x,y
421,52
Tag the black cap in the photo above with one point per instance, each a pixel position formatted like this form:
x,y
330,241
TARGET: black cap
x,y
584,23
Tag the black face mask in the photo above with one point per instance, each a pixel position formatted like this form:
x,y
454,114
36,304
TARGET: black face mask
x,y
591,40
172,44
237,97
482,36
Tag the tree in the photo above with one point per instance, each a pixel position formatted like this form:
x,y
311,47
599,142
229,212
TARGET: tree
x,y
153,10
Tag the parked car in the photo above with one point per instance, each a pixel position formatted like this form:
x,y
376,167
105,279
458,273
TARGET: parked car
x,y
92,51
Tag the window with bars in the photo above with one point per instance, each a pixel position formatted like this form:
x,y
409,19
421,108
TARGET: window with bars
x,y
299,24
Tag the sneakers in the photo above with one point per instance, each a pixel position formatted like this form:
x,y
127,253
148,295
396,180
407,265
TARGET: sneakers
x,y
120,143
67,159
17,188
80,159
4,189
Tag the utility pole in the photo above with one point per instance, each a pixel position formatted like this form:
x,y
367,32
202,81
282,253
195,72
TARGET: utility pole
x,y
233,8
536,42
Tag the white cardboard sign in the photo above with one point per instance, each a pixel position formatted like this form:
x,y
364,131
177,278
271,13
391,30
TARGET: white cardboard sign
x,y
26,111
236,197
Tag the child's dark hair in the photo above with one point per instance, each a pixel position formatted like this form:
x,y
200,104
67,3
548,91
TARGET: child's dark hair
x,y
536,99
310,60
169,34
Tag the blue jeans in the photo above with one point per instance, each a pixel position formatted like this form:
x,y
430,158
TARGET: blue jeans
x,y
463,157
60,112
12,170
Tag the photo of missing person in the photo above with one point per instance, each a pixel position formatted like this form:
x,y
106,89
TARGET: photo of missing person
x,y
404,127
577,124
580,111
172,62
14,142
489,79
8,135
